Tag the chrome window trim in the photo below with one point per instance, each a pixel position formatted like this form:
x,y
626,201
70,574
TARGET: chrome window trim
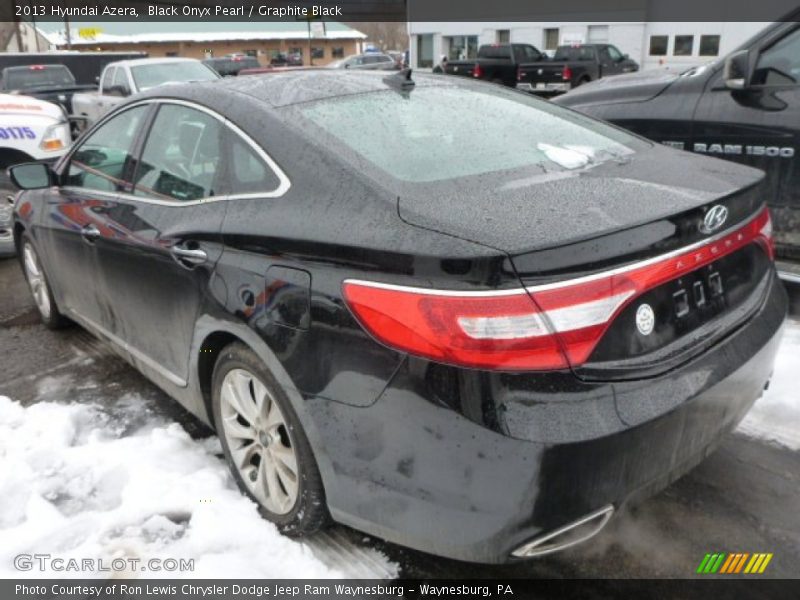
x,y
284,182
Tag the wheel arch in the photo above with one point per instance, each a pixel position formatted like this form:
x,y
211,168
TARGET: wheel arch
x,y
212,334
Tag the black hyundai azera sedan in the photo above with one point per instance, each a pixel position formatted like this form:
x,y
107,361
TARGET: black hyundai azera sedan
x,y
439,311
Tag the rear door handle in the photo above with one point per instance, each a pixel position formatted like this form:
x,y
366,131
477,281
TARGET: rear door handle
x,y
90,234
188,256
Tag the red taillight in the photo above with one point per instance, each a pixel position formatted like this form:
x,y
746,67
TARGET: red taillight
x,y
519,74
545,327
566,74
477,71
36,67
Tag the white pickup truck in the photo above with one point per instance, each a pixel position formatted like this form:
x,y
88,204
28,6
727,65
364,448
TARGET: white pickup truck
x,y
127,77
30,129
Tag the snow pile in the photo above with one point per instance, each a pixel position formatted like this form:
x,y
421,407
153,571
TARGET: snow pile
x,y
75,482
776,415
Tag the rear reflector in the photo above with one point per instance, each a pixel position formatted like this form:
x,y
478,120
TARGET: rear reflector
x,y
545,327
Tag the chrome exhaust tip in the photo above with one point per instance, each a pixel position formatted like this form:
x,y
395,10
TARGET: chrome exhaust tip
x,y
569,535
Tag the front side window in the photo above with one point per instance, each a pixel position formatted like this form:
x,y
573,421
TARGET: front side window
x,y
615,54
121,79
420,144
102,161
780,63
108,78
181,156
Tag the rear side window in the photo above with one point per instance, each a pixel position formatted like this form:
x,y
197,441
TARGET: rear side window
x,y
577,53
181,156
494,52
421,143
102,161
249,174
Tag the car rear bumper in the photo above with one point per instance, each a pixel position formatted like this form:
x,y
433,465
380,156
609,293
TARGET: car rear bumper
x,y
511,463
545,87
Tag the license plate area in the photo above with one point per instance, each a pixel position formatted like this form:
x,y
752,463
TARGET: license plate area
x,y
685,308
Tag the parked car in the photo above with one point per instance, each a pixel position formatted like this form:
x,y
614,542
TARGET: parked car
x,y
744,107
366,62
52,83
497,63
129,77
478,354
86,67
291,59
574,65
229,66
30,129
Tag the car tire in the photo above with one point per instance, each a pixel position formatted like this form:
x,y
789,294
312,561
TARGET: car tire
x,y
259,443
40,285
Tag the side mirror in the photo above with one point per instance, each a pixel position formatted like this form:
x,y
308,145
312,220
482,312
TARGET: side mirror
x,y
736,72
346,65
31,176
118,90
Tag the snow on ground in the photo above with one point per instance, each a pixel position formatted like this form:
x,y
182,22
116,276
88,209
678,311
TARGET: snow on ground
x,y
775,417
77,482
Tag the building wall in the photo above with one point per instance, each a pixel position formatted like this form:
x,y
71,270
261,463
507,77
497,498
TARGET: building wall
x,y
631,38
264,49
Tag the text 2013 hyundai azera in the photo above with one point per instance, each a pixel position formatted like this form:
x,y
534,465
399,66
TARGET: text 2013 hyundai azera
x,y
444,313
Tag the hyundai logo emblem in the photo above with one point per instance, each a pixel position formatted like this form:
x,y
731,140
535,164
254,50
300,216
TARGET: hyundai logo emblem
x,y
714,219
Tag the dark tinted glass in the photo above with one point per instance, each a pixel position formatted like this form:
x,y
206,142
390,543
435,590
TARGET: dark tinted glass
x,y
101,162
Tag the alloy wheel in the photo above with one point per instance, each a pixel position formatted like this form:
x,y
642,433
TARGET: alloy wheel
x,y
261,449
36,280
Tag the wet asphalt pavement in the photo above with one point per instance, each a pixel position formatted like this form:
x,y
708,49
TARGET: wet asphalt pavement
x,y
745,497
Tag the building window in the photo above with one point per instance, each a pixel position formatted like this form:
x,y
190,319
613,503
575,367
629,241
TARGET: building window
x,y
317,52
462,47
337,52
658,45
503,36
709,45
251,52
169,54
425,51
683,45
598,34
551,39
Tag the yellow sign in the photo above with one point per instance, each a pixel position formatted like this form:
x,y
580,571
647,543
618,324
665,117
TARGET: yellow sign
x,y
89,32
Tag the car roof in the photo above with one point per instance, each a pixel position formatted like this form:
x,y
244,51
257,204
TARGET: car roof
x,y
307,85
135,62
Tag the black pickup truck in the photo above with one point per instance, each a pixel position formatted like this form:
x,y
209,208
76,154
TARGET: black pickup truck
x,y
744,107
52,83
572,66
496,63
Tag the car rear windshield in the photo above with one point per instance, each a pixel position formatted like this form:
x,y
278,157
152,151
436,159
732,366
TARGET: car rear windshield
x,y
494,52
28,78
148,76
438,133
574,53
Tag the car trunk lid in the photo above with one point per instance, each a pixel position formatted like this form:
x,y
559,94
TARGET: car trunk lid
x,y
594,246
